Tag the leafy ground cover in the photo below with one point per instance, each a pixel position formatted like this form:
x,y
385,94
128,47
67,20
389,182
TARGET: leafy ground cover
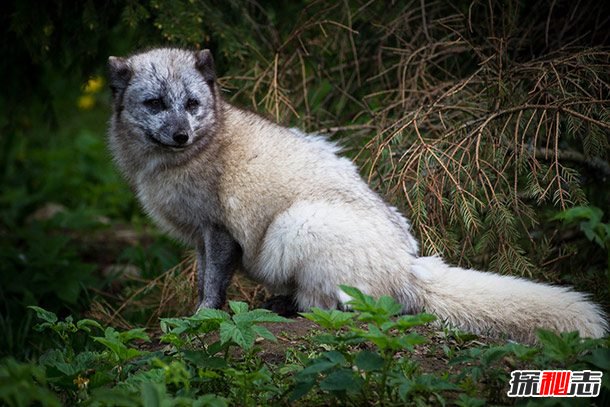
x,y
367,356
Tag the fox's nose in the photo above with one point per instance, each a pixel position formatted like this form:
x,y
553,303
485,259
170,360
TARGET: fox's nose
x,y
180,138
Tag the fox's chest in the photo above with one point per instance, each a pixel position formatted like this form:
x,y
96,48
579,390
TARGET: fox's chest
x,y
179,205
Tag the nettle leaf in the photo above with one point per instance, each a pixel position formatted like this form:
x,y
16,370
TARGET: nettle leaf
x,y
153,394
135,381
43,314
207,320
329,319
335,357
210,314
264,333
258,316
85,360
317,366
211,400
173,339
410,340
409,321
175,325
369,361
558,347
132,334
238,307
115,343
389,305
242,335
599,358
425,383
204,360
359,301
55,359
494,354
342,380
84,325
301,388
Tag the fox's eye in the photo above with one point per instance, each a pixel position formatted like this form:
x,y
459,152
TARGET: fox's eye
x,y
155,104
192,104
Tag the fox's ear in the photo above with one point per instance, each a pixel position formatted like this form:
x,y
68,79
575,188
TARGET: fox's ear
x,y
205,65
119,73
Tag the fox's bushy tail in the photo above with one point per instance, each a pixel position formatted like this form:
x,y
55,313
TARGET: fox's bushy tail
x,y
488,303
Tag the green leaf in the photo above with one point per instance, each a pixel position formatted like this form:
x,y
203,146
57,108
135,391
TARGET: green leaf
x,y
342,380
301,388
113,341
152,394
408,321
590,213
242,335
238,307
599,358
558,347
258,316
494,354
358,298
329,319
203,360
317,366
264,333
210,314
335,357
84,325
467,401
24,384
369,361
175,325
118,396
211,400
389,305
136,333
43,314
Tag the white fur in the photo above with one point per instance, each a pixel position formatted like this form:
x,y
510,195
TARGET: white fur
x,y
501,305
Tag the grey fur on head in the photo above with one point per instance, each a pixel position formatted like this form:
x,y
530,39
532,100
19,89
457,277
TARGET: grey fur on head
x,y
205,64
119,74
165,99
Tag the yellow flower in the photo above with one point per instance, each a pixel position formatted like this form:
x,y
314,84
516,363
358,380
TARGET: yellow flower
x,y
85,102
94,84
81,382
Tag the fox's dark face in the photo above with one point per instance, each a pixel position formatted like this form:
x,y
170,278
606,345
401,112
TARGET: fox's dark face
x,y
166,98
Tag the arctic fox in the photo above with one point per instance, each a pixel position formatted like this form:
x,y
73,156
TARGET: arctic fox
x,y
294,215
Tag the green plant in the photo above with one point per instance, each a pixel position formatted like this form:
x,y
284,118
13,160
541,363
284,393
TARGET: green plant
x,y
239,330
65,329
347,374
490,365
75,364
589,220
23,384
200,339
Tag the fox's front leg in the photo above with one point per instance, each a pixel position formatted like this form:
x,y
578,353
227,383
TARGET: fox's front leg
x,y
217,260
